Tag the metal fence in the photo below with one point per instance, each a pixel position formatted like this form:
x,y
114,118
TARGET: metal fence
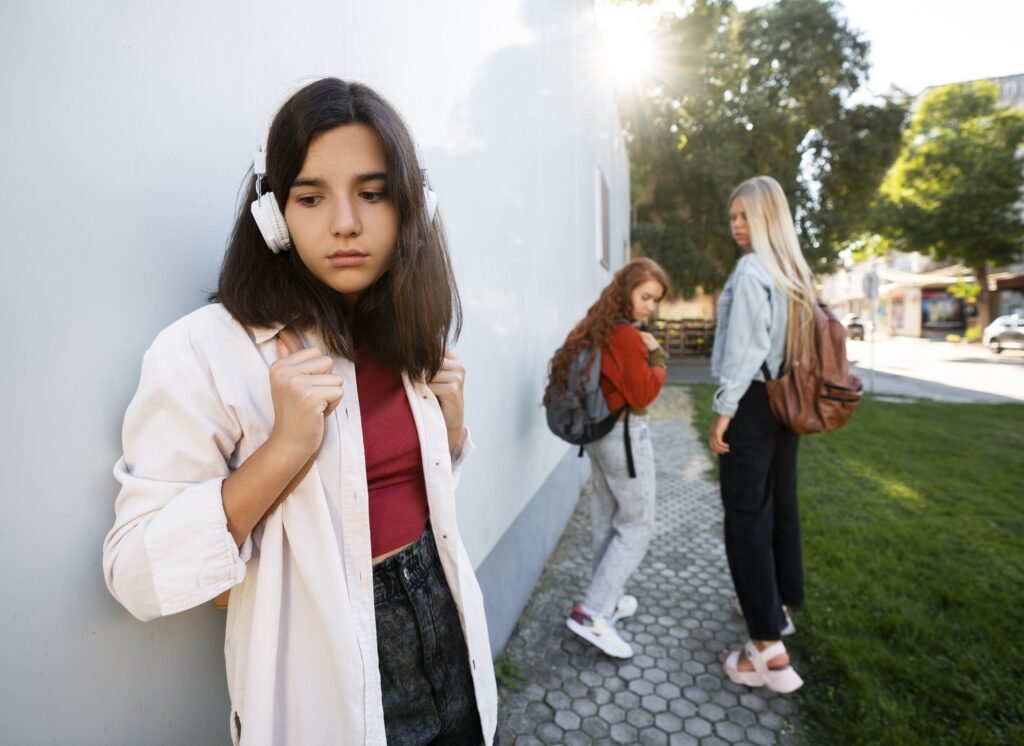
x,y
685,337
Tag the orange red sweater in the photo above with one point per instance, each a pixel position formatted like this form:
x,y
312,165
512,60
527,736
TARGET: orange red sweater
x,y
630,375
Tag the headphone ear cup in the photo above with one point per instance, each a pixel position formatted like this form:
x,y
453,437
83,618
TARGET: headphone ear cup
x,y
271,223
430,201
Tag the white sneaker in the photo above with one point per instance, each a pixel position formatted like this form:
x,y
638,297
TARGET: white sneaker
x,y
598,632
626,606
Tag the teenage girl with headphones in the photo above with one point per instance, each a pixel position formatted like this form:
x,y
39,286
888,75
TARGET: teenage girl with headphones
x,y
298,442
765,320
622,506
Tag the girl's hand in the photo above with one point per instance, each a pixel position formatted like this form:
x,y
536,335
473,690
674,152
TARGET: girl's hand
x,y
649,341
305,391
447,387
716,437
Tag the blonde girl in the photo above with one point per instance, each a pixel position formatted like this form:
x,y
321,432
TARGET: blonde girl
x,y
764,325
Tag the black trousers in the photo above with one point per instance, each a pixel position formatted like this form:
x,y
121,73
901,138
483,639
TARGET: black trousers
x,y
762,521
425,675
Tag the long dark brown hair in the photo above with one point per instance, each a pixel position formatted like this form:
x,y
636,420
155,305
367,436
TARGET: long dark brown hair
x,y
596,327
406,316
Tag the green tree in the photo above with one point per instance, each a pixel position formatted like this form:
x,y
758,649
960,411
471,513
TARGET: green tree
x,y
741,94
955,190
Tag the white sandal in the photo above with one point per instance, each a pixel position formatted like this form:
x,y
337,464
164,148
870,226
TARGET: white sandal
x,y
782,680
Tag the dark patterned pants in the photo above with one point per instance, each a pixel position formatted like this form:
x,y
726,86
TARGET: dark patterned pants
x,y
762,520
426,682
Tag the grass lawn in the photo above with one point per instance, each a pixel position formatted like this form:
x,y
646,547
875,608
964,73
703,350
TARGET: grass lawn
x,y
913,529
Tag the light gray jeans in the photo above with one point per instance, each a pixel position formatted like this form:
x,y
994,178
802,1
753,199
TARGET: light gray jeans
x,y
622,510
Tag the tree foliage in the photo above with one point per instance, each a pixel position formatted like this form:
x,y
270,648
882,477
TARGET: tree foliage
x,y
742,94
955,190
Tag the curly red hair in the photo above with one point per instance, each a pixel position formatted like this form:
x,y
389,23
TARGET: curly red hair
x,y
596,327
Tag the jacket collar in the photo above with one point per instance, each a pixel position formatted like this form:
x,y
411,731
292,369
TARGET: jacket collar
x,y
261,334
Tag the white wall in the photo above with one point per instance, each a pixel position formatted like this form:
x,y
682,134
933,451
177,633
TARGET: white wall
x,y
125,133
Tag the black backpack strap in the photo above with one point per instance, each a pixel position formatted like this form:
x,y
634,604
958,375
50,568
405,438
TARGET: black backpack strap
x,y
629,446
764,370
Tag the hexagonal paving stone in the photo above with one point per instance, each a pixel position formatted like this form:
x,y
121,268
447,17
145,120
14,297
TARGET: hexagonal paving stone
x,y
630,672
611,714
713,741
549,733
753,702
771,721
623,733
654,703
760,735
641,687
653,737
567,720
595,727
668,722
640,718
711,711
696,694
584,707
682,739
519,723
627,700
642,661
539,712
558,700
742,716
683,708
697,727
709,683
655,675
577,738
729,731
528,741
667,690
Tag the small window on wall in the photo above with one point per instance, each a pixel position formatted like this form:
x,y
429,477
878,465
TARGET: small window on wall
x,y
604,243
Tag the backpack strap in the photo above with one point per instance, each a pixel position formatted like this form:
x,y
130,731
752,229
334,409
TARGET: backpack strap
x,y
764,366
629,446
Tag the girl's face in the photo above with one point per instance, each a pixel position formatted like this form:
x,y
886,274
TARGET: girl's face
x,y
339,210
645,297
738,223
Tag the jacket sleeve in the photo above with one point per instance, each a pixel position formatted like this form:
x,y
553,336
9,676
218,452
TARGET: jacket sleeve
x,y
170,548
747,344
641,380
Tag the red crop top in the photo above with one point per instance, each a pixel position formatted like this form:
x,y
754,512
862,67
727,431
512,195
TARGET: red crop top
x,y
394,467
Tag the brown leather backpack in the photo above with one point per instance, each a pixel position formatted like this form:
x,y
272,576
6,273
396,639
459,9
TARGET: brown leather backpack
x,y
818,394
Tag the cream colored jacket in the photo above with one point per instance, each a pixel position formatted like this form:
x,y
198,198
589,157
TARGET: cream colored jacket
x,y
300,642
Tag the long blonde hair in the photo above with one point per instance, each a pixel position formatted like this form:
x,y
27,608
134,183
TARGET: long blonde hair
x,y
773,239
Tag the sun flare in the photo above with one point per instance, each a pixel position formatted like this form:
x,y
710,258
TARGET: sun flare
x,y
627,34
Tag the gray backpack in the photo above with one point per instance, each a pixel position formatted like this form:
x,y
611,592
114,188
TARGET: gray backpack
x,y
579,414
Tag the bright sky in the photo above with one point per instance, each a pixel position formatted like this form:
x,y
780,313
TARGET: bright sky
x,y
918,43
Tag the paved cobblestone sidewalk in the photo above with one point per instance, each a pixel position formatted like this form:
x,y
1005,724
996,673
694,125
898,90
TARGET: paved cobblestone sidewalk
x,y
673,690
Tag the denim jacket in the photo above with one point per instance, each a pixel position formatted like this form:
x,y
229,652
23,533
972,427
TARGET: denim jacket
x,y
751,328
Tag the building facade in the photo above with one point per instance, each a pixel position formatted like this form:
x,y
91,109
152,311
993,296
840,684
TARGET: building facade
x,y
130,127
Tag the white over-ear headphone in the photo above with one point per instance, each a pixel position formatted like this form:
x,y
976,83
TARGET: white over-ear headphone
x,y
270,221
265,211
429,197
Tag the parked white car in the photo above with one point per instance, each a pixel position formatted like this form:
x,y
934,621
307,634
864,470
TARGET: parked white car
x,y
1006,332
